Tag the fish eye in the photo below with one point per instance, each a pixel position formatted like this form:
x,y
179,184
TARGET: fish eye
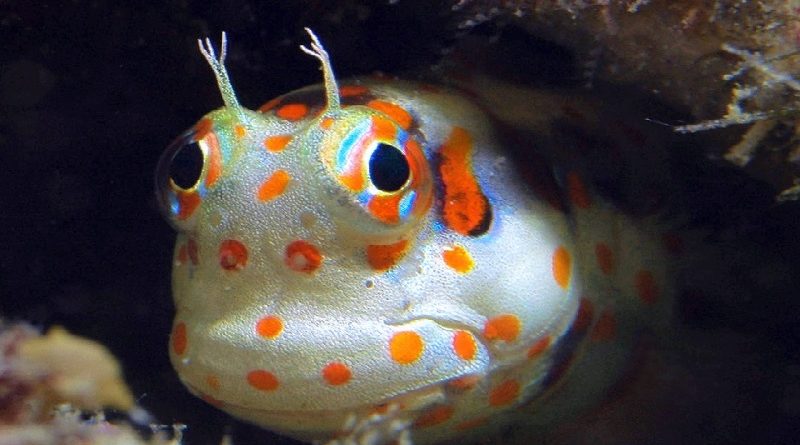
x,y
186,165
388,168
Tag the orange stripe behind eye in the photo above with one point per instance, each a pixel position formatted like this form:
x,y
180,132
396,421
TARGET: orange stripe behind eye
x,y
466,209
214,159
398,114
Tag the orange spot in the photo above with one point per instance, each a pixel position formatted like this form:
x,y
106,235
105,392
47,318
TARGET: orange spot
x,y
405,347
606,327
270,104
239,131
214,159
262,380
435,416
336,373
562,266
277,142
384,256
213,382
274,186
326,123
504,327
179,339
302,256
464,382
292,112
397,113
605,258
458,259
269,327
504,393
466,209
385,208
352,90
232,255
464,345
472,423
577,191
187,204
540,346
583,318
646,286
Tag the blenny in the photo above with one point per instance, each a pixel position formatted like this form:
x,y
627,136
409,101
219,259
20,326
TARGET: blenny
x,y
350,248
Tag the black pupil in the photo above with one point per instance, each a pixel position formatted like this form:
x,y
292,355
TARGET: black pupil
x,y
388,168
186,165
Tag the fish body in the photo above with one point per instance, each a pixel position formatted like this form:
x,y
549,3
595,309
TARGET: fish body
x,y
351,249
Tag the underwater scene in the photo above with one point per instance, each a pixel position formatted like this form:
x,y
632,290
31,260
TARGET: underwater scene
x,y
400,222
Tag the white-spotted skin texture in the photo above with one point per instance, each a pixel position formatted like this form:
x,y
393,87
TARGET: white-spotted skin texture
x,y
338,257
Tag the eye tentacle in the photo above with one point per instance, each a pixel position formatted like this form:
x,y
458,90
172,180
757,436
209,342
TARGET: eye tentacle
x,y
318,51
218,66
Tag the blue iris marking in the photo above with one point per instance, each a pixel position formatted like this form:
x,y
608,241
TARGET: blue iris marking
x,y
174,204
348,143
406,204
402,137
364,198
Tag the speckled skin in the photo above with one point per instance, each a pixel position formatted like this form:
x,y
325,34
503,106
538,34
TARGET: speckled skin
x,y
466,299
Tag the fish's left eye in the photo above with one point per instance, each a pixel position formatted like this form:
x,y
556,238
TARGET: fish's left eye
x,y
388,168
187,165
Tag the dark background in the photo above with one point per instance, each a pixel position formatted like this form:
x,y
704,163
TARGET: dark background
x,y
91,92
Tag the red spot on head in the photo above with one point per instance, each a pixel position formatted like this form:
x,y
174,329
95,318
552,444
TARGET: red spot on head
x,y
232,255
302,256
292,112
277,142
336,373
562,266
269,327
262,380
504,327
179,338
464,345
